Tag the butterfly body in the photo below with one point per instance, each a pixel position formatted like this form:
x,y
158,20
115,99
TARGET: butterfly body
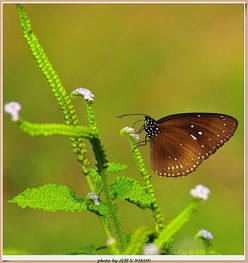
x,y
151,127
179,143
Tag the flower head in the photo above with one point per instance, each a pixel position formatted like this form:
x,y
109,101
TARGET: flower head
x,y
94,197
151,249
200,191
87,94
205,234
131,131
111,241
13,109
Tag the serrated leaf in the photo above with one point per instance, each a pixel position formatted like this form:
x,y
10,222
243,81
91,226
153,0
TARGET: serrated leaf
x,y
101,209
114,168
50,197
56,197
96,178
129,189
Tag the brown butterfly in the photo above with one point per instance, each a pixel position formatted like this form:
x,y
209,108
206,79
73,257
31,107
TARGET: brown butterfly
x,y
180,142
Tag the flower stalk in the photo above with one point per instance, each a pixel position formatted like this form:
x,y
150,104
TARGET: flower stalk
x,y
157,214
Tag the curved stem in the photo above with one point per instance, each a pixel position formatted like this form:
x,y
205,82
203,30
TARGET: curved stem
x,y
157,214
102,165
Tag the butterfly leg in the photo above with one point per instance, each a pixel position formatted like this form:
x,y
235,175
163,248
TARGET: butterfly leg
x,y
141,129
142,143
137,122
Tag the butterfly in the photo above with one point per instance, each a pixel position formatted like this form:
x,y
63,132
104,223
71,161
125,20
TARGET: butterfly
x,y
179,143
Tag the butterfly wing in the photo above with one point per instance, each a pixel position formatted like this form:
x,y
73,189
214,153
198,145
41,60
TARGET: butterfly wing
x,y
185,140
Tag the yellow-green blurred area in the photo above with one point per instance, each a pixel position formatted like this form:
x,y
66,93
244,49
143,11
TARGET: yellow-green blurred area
x,y
158,59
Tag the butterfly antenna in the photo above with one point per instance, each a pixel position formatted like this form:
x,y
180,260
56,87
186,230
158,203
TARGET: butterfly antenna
x,y
124,115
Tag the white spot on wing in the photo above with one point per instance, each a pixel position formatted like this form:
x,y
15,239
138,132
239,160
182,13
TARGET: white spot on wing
x,y
200,133
193,136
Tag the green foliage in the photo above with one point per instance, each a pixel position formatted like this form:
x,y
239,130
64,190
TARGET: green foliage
x,y
208,244
96,178
168,248
36,129
176,224
138,240
86,250
114,168
56,197
50,197
47,69
156,211
129,189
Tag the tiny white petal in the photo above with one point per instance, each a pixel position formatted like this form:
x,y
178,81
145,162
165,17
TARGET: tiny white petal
x,y
151,249
132,132
13,109
129,129
96,202
111,241
206,234
87,94
200,191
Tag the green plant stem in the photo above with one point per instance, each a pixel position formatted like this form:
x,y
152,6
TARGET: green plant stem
x,y
102,165
103,220
176,224
63,100
56,86
37,129
157,214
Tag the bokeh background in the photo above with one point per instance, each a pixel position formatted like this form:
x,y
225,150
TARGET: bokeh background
x,y
156,59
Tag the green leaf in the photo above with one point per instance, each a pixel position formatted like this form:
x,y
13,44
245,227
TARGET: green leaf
x,y
138,240
86,250
50,129
176,224
114,168
56,197
129,189
96,178
50,197
101,209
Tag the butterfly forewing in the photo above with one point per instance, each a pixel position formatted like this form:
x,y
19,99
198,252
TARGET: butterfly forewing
x,y
185,140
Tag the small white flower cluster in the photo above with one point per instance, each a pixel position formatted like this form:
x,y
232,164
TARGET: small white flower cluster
x,y
13,109
94,197
200,191
151,249
132,132
204,233
87,94
111,241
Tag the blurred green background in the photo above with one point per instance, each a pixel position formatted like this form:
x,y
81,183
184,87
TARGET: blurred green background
x,y
157,59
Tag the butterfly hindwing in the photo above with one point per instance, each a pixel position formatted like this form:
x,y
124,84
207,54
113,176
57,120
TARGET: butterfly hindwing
x,y
185,140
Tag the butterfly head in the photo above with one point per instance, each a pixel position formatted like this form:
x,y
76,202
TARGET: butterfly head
x,y
151,126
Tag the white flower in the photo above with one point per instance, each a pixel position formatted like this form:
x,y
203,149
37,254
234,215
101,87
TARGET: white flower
x,y
200,191
151,249
132,132
87,94
94,197
204,233
13,109
96,202
111,241
129,129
